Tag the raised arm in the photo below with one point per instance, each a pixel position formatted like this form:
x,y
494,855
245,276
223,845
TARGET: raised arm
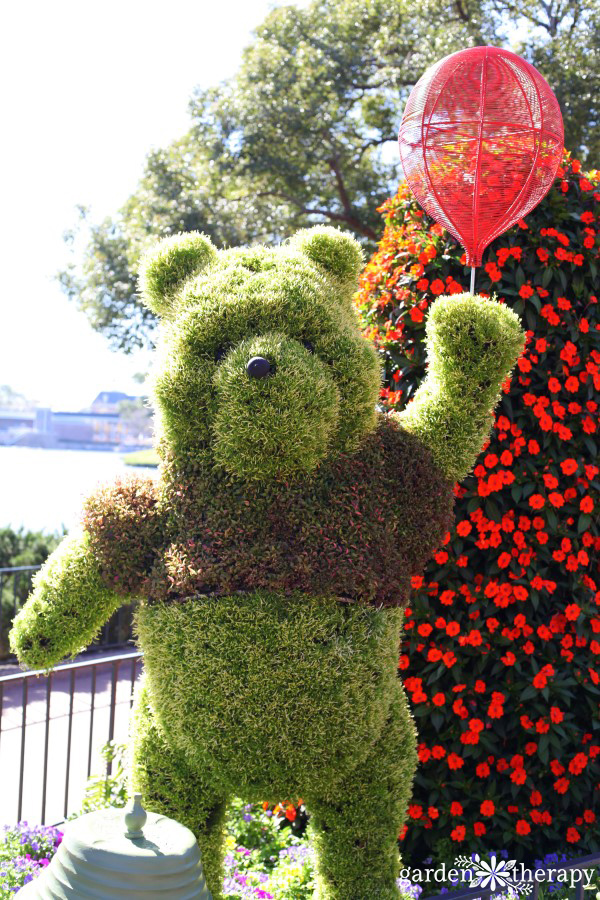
x,y
472,345
92,572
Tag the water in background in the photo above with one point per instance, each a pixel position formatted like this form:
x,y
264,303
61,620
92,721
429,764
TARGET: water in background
x,y
43,489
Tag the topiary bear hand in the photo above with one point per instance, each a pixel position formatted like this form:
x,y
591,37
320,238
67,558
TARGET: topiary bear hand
x,y
472,345
68,605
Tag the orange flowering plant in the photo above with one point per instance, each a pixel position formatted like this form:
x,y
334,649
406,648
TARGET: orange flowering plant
x,y
502,639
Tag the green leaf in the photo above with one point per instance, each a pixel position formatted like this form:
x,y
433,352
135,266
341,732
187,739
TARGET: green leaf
x,y
585,520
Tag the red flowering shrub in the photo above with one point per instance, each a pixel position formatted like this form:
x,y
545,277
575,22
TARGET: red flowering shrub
x,y
503,634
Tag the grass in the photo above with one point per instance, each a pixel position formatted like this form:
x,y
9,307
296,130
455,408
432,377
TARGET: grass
x,y
142,458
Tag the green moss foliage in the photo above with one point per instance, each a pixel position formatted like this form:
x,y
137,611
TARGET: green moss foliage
x,y
172,785
327,376
335,251
173,260
296,408
265,696
69,603
472,345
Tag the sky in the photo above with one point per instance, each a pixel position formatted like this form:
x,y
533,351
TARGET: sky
x,y
88,89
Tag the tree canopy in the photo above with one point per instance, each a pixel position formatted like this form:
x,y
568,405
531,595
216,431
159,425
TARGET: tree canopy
x,y
305,132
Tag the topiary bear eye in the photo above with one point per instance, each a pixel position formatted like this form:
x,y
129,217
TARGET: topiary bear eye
x,y
309,346
220,353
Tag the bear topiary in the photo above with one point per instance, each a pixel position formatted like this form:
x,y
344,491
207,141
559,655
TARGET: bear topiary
x,y
272,559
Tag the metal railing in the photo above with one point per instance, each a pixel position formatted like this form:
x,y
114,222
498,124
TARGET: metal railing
x,y
576,865
15,586
53,725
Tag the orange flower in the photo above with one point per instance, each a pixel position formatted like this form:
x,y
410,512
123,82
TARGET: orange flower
x,y
586,504
455,761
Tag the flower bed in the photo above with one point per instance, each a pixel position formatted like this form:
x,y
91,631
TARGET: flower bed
x,y
503,634
25,851
263,862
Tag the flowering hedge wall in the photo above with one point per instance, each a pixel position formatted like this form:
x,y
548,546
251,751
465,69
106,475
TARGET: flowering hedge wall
x,y
503,634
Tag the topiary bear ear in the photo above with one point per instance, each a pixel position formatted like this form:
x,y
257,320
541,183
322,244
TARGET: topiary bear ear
x,y
334,250
164,268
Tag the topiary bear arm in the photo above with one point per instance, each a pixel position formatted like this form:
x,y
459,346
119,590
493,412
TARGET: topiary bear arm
x,y
126,526
472,345
90,574
69,603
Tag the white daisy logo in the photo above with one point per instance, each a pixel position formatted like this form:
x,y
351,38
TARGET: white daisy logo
x,y
497,873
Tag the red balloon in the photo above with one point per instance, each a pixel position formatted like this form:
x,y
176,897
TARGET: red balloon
x,y
480,142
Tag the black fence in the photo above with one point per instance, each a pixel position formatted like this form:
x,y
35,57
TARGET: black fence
x,y
15,586
52,728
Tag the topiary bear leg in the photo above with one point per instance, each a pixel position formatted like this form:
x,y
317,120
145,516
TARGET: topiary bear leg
x,y
356,831
169,785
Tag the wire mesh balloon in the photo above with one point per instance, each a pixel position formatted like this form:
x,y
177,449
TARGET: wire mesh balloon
x,y
480,142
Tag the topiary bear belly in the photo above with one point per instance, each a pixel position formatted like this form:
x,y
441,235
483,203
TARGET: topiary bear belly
x,y
265,692
359,527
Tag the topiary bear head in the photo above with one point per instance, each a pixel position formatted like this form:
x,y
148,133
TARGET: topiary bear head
x,y
262,369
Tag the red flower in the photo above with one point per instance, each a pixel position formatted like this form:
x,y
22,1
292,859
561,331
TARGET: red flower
x,y
578,764
586,504
455,761
456,809
437,286
536,501
523,827
458,833
487,808
573,835
569,466
561,786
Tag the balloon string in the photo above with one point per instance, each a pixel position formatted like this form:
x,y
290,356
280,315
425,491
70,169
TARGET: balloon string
x,y
472,279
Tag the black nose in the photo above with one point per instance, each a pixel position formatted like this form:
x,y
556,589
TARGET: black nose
x,y
258,367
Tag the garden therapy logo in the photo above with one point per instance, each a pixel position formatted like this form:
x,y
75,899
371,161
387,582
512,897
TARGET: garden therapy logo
x,y
497,873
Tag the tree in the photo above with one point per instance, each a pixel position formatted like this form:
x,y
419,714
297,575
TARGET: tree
x,y
563,42
295,138
306,131
11,399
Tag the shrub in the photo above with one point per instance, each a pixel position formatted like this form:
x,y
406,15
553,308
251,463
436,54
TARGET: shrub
x,y
503,633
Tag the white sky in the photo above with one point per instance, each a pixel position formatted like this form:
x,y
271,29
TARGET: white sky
x,y
87,89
